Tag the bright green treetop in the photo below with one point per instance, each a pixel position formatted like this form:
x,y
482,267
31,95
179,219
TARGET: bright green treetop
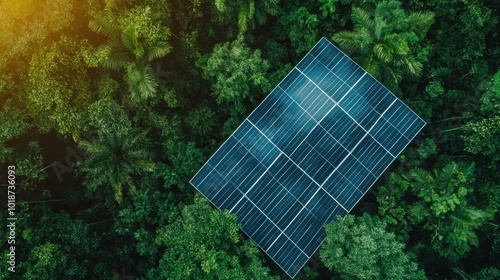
x,y
361,248
382,40
238,73
204,243
134,39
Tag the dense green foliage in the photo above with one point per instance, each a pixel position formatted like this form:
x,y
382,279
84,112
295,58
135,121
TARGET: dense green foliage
x,y
383,40
108,108
362,249
204,243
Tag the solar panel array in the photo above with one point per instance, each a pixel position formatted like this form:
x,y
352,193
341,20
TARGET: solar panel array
x,y
307,153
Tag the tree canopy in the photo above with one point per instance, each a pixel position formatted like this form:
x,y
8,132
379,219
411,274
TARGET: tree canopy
x,y
109,108
383,40
361,248
204,243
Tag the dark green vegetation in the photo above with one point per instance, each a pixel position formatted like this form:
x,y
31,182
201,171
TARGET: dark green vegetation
x,y
108,108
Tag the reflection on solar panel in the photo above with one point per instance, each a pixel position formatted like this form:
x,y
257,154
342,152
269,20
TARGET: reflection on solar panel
x,y
307,153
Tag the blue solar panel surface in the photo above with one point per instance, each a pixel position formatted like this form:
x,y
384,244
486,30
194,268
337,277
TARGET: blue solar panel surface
x,y
307,153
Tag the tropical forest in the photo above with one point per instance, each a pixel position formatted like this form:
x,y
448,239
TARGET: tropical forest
x,y
110,107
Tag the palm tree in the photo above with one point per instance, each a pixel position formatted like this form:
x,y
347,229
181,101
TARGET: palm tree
x,y
444,208
247,11
133,43
141,80
381,47
114,159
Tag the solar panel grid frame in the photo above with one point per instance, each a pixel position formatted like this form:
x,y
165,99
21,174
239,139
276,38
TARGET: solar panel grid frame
x,y
286,221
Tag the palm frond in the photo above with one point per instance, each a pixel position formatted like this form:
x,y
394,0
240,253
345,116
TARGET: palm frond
x,y
117,188
250,10
264,8
420,23
115,61
96,27
379,27
362,19
270,7
412,66
372,66
397,44
383,52
103,25
348,40
220,5
160,49
115,158
465,220
118,56
130,40
392,77
245,16
141,81
421,176
447,174
368,5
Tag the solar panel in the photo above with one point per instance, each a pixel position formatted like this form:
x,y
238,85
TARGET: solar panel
x,y
307,153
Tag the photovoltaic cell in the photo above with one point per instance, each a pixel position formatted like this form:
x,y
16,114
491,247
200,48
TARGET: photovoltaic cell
x,y
307,154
